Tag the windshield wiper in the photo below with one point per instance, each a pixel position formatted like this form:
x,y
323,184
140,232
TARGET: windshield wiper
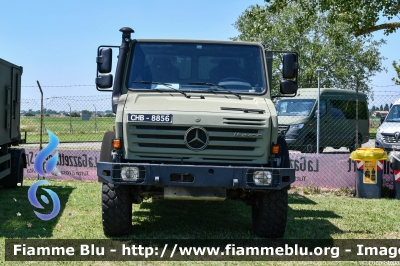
x,y
216,87
169,86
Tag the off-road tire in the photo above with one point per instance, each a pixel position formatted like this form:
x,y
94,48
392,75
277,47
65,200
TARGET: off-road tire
x,y
117,210
310,146
284,152
269,213
107,147
116,200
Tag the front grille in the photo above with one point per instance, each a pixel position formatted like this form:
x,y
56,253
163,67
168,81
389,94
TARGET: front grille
x,y
230,148
152,136
162,145
244,122
232,139
390,138
155,139
209,129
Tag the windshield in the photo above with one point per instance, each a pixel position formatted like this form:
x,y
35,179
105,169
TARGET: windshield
x,y
196,67
394,114
295,107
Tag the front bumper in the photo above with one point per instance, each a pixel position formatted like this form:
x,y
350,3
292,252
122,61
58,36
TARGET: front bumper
x,y
386,146
164,175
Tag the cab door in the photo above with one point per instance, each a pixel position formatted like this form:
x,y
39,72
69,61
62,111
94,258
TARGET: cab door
x,y
323,124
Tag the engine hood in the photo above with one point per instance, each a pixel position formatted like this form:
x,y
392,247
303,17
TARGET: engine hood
x,y
389,127
176,102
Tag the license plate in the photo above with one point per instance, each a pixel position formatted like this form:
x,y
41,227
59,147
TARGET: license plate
x,y
396,147
149,118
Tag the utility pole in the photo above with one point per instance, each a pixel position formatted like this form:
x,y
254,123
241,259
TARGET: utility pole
x,y
41,114
356,139
70,122
95,122
319,70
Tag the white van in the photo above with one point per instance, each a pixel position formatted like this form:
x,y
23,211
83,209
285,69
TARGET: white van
x,y
388,134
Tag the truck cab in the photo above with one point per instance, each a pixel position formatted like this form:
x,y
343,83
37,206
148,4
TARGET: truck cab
x,y
194,121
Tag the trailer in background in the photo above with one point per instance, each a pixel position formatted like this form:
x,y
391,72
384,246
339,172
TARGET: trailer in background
x,y
12,160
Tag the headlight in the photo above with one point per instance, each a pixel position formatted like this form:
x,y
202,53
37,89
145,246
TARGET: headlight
x,y
296,126
130,173
262,178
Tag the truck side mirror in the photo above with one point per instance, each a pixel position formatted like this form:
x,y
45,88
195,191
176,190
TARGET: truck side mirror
x,y
104,81
289,66
104,60
382,119
288,87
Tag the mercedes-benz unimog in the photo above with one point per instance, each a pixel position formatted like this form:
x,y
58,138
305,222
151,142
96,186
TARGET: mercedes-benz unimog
x,y
194,121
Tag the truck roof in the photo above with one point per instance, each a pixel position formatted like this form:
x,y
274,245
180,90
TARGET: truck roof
x,y
4,62
307,92
199,41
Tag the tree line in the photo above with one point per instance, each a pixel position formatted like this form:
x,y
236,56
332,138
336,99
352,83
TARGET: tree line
x,y
335,35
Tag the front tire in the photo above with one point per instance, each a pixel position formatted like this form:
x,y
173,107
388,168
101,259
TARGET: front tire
x,y
284,153
117,210
269,213
310,146
107,147
116,200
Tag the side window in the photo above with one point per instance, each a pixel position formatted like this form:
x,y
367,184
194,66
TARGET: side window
x,y
322,107
282,107
342,109
337,109
350,110
362,110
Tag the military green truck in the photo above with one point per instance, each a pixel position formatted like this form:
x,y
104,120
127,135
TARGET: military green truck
x,y
194,121
298,120
12,160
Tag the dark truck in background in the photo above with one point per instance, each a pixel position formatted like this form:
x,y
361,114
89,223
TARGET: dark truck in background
x,y
194,121
12,160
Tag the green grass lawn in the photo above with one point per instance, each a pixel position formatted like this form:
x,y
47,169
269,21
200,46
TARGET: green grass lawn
x,y
372,133
310,216
79,130
374,125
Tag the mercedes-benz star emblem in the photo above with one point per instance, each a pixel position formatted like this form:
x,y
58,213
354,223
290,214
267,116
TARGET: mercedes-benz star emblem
x,y
397,135
196,138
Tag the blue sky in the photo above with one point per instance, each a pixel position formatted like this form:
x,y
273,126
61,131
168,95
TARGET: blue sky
x,y
56,41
